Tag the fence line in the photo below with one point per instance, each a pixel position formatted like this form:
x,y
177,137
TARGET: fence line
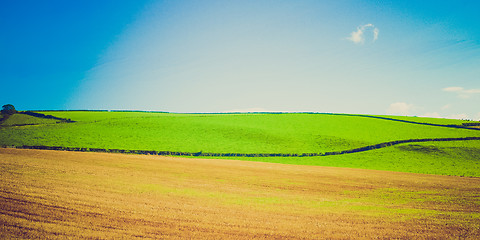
x,y
207,154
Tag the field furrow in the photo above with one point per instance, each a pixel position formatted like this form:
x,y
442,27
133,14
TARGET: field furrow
x,y
55,194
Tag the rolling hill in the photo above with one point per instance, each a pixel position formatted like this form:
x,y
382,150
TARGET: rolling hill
x,y
262,133
65,194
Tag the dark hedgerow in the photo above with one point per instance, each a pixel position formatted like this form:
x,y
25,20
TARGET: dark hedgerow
x,y
206,154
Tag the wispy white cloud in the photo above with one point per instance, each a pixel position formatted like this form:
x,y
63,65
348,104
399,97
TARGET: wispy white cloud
x,y
400,108
432,115
452,89
462,93
459,116
375,34
358,36
447,106
472,91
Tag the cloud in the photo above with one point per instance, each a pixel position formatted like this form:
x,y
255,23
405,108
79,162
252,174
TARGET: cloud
x,y
375,34
452,89
472,91
447,106
459,116
400,108
431,115
358,36
462,93
477,117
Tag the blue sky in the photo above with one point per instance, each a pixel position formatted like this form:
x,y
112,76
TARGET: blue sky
x,y
419,58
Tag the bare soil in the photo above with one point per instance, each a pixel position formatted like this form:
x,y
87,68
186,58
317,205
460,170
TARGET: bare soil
x,y
56,194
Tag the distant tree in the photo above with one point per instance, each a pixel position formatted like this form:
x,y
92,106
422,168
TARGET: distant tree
x,y
8,109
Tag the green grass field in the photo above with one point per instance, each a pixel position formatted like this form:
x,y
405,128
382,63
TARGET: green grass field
x,y
264,133
442,121
23,119
459,158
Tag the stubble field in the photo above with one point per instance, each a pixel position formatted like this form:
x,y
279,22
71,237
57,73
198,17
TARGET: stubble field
x,y
55,194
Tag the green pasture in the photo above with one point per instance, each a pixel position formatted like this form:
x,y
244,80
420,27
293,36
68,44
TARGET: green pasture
x,y
456,158
261,133
441,121
222,133
23,119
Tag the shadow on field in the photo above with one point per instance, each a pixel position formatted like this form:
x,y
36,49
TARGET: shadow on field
x,y
421,149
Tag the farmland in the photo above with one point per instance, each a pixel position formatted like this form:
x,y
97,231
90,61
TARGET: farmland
x,y
265,133
395,191
459,158
23,119
56,194
244,133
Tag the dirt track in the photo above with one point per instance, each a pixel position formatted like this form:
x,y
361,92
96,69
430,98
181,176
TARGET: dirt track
x,y
55,194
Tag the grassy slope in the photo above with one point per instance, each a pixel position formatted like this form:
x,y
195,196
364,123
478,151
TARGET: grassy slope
x,y
460,158
243,133
54,194
264,133
23,119
443,121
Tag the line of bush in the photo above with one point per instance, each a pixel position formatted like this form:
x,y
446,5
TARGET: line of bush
x,y
392,143
40,115
463,126
471,124
206,154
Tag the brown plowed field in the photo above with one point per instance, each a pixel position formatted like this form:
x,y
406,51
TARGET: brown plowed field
x,y
54,194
